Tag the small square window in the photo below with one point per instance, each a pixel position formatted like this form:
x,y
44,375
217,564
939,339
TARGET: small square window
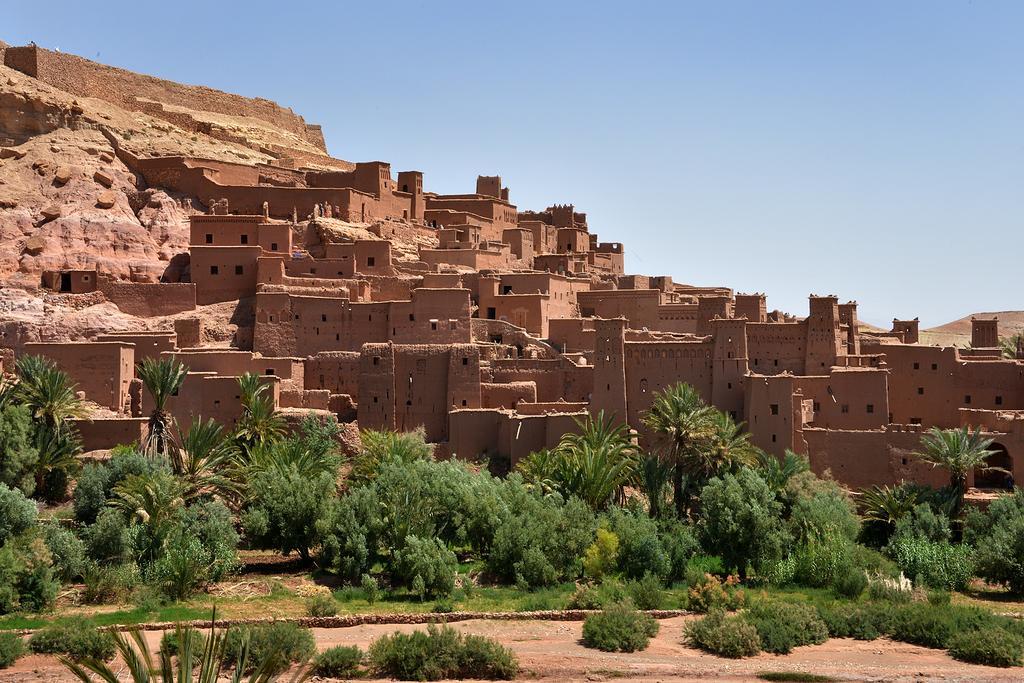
x,y
920,391
999,400
465,361
967,400
209,238
845,408
871,408
376,360
935,366
323,317
370,260
214,270
917,366
412,317
915,420
238,270
273,246
775,408
269,371
817,407
433,324
245,239
773,438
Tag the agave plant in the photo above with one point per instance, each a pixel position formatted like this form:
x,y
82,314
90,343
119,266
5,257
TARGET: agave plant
x,y
163,378
195,662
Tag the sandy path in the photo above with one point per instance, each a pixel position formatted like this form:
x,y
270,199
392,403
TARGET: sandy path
x,y
551,650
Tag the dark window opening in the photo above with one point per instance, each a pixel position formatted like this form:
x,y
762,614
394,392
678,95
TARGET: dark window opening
x,y
245,239
269,371
915,420
870,408
209,238
465,361
920,391
370,260
845,408
376,360
917,366
492,313
999,400
273,246
967,399
775,408
935,366
214,270
238,270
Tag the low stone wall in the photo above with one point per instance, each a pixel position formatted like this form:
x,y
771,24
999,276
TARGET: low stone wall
x,y
150,299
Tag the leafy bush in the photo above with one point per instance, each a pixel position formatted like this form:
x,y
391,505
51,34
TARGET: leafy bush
x,y
280,643
441,652
18,464
819,560
937,564
939,598
600,557
828,512
725,636
619,628
882,587
680,545
544,539
17,513
26,579
740,520
96,481
171,643
107,539
429,560
350,533
862,622
371,590
647,593
11,647
321,605
708,593
181,570
286,507
76,637
110,583
67,550
922,624
640,548
991,645
782,626
338,662
851,583
998,539
200,548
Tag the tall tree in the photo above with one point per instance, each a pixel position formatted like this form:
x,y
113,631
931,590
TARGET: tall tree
x,y
260,425
683,423
163,378
959,451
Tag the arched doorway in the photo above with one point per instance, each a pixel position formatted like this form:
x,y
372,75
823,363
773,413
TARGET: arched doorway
x,y
995,479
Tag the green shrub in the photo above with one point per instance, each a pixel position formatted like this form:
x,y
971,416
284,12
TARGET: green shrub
x,y
922,624
647,593
109,583
890,589
998,540
26,579
871,561
76,637
350,533
619,628
107,539
280,643
321,605
370,587
97,480
992,646
819,561
939,598
11,647
286,509
851,583
17,513
338,662
862,622
725,636
171,643
181,570
432,562
680,544
708,593
782,626
67,551
937,564
741,520
18,464
599,559
443,607
441,652
640,550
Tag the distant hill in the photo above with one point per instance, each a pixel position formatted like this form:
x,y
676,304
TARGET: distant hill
x,y
958,332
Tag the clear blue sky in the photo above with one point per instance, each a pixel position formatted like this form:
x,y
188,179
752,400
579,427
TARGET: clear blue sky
x,y
868,149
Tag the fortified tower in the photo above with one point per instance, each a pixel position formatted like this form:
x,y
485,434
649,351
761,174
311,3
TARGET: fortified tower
x,y
823,338
609,392
730,365
984,333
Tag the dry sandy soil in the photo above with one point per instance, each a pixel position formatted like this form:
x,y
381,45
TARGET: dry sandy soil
x,y
552,651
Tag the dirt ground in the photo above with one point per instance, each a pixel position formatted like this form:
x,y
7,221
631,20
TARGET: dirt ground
x,y
551,650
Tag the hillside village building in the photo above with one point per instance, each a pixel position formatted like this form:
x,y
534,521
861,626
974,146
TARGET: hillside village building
x,y
494,329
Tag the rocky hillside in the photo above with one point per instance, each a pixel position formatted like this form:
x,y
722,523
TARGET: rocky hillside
x,y
66,201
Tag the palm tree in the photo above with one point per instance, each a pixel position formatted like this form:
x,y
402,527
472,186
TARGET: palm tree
x,y
192,666
729,446
652,477
386,446
777,472
48,392
163,378
960,451
153,499
259,424
200,457
596,463
58,460
681,420
1012,346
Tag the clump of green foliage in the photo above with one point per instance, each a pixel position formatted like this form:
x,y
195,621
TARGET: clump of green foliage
x,y
441,652
619,628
